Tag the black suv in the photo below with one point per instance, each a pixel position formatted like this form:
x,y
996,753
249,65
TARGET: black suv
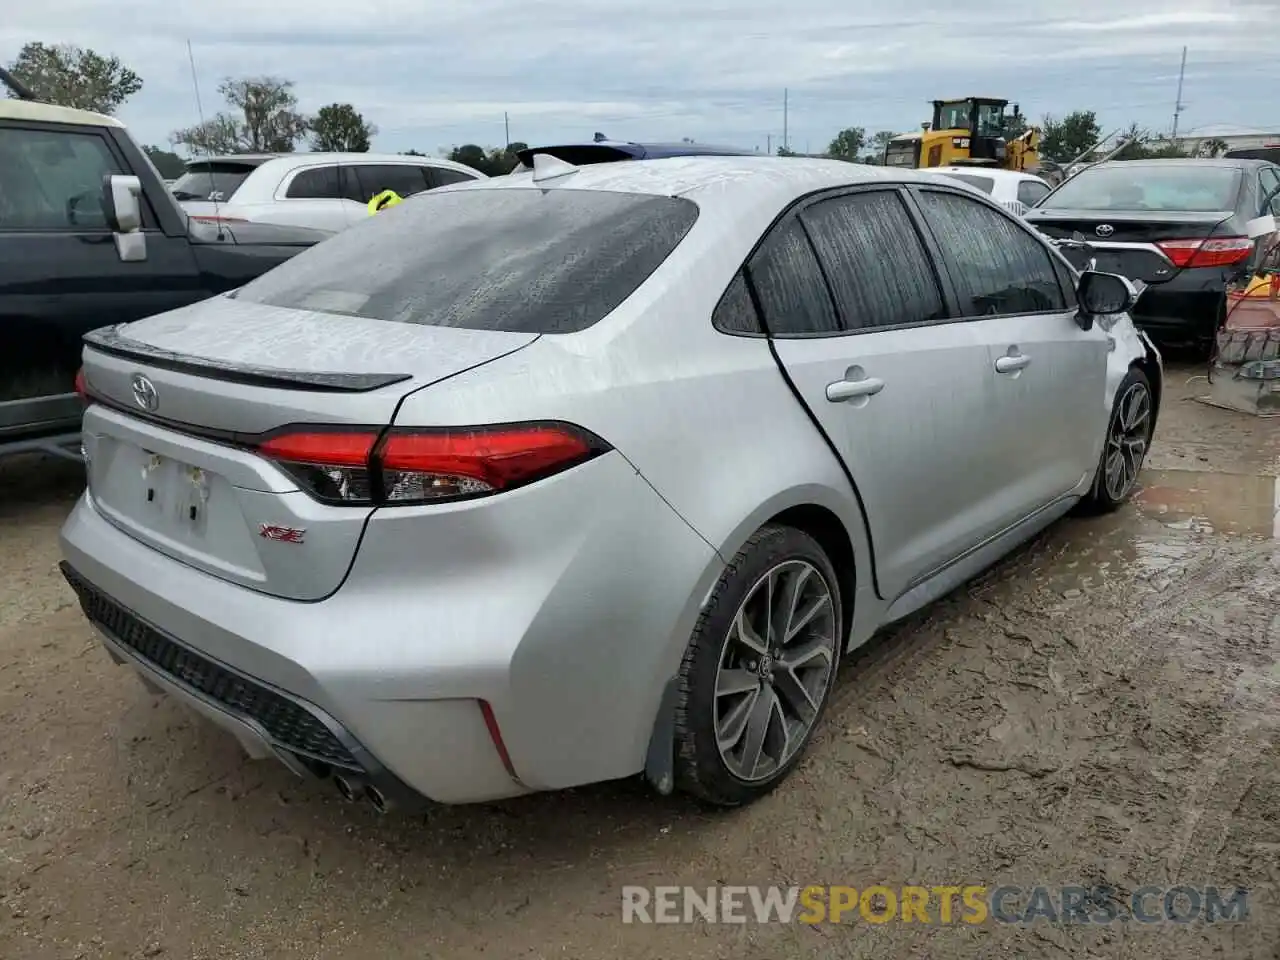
x,y
90,236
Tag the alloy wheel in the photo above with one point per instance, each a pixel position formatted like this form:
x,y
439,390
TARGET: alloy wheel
x,y
1127,441
774,670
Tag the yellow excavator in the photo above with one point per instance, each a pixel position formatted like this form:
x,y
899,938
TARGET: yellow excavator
x,y
969,132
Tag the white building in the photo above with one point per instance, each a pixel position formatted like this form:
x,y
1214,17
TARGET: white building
x,y
1236,138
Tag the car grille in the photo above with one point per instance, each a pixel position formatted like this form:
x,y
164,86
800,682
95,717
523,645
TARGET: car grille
x,y
289,724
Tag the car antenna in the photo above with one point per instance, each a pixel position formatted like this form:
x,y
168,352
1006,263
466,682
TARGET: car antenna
x,y
20,89
213,194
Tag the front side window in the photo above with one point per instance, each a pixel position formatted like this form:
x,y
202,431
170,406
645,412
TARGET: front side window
x,y
517,260
52,180
996,266
879,270
789,285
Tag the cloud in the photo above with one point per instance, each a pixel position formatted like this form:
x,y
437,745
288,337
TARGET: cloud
x,y
442,74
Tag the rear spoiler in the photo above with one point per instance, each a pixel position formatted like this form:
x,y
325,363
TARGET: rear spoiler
x,y
112,342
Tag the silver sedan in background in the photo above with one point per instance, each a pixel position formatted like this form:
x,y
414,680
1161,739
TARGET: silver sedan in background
x,y
564,478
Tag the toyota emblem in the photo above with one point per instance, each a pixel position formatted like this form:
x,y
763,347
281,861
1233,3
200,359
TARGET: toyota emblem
x,y
144,393
1105,230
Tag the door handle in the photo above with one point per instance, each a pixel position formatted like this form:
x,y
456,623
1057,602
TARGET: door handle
x,y
843,390
1012,364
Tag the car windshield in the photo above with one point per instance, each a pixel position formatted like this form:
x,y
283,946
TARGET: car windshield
x,y
985,184
211,181
522,260
1183,188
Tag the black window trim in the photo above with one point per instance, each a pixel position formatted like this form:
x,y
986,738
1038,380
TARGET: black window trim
x,y
917,188
150,221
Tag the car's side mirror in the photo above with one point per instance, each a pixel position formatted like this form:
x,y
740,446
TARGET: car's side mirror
x,y
122,204
1102,294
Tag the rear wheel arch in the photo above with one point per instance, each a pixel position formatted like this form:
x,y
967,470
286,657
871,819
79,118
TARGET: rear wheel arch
x,y
830,533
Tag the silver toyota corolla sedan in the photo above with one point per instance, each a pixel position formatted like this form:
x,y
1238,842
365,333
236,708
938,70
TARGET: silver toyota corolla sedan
x,y
553,480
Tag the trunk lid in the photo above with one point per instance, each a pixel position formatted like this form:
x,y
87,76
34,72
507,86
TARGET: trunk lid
x,y
1128,243
183,397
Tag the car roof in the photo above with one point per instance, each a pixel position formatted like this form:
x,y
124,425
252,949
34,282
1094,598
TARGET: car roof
x,y
11,109
303,159
766,182
1235,163
638,151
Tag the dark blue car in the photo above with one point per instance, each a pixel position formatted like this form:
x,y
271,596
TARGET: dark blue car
x,y
604,150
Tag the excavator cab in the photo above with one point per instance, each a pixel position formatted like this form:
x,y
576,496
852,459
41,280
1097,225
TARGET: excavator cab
x,y
972,131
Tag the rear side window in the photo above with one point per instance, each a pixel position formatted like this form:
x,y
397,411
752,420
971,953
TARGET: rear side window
x,y
443,176
1029,192
321,183
405,179
790,287
880,273
997,267
519,260
215,180
736,313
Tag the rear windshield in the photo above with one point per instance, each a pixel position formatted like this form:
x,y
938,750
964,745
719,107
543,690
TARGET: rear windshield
x,y
1192,188
211,181
985,184
529,261
578,154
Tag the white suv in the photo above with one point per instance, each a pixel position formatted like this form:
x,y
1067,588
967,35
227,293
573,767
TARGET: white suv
x,y
325,191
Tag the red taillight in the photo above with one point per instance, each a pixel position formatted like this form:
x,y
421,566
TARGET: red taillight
x,y
426,466
82,386
1215,252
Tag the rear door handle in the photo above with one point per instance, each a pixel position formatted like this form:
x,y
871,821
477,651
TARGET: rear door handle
x,y
1012,364
843,390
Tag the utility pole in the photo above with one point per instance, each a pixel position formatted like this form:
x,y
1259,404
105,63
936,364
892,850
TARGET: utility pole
x,y
768,139
786,138
506,126
1178,105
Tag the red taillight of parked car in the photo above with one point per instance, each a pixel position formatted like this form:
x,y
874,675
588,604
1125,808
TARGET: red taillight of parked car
x,y
82,387
401,466
1214,252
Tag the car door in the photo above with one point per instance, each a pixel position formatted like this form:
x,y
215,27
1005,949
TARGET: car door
x,y
311,197
1047,376
60,272
851,297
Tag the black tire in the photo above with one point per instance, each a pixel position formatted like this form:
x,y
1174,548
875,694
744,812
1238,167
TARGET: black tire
x,y
1105,497
700,768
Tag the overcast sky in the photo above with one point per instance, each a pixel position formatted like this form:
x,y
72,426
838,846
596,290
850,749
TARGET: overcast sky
x,y
432,75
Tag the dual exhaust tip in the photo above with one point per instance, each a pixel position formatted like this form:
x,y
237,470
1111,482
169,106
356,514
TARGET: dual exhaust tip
x,y
353,791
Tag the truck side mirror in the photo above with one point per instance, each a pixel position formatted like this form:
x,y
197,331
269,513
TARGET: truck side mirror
x,y
122,204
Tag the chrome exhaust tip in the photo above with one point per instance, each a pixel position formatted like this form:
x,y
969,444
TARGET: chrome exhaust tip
x,y
346,788
375,797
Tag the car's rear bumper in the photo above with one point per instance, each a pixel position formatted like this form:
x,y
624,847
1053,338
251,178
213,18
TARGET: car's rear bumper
x,y
568,628
1187,308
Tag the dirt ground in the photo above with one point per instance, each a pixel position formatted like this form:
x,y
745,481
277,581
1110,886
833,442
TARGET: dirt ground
x,y
1101,709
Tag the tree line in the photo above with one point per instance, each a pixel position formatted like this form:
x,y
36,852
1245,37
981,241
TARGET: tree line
x,y
261,115
1061,141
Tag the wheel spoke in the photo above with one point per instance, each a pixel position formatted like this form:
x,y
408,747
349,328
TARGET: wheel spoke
x,y
757,729
799,623
734,723
791,600
747,635
802,654
732,682
794,694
